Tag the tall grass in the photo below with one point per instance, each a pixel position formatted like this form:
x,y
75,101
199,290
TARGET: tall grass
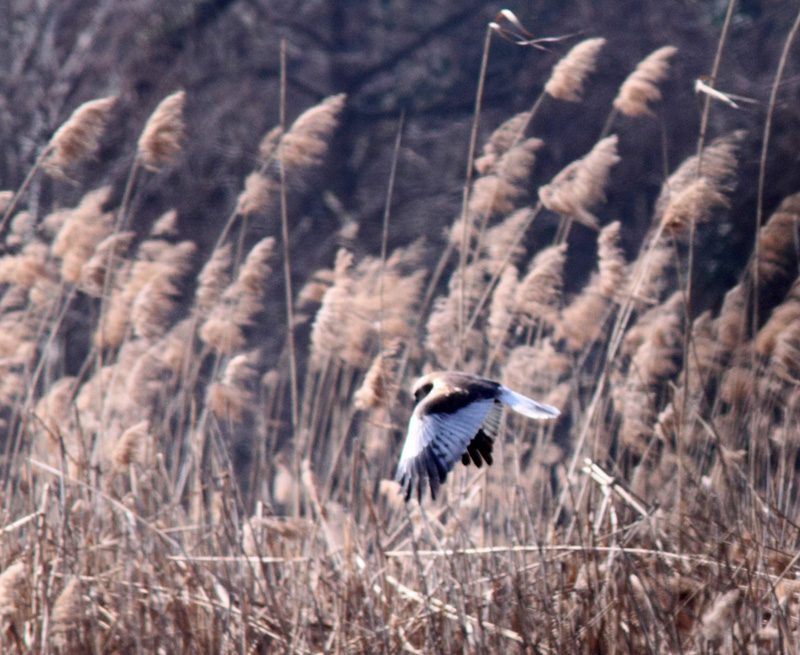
x,y
186,471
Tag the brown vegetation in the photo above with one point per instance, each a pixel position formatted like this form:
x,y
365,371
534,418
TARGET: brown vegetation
x,y
170,486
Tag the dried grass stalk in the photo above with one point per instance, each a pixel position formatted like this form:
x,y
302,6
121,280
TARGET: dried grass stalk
x,y
566,80
78,139
640,87
160,141
580,186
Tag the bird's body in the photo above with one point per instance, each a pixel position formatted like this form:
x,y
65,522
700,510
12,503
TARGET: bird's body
x,y
456,417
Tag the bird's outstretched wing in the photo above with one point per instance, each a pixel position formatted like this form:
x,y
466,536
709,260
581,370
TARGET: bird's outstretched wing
x,y
526,406
437,440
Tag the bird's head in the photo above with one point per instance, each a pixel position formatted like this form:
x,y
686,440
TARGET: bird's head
x,y
423,387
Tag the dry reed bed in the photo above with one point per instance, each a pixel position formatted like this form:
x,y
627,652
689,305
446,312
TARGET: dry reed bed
x,y
130,526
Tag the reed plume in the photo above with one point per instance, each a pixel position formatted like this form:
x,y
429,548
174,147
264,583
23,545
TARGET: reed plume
x,y
731,324
501,308
566,80
259,193
131,447
539,292
166,225
150,283
21,228
157,298
508,134
379,382
95,273
695,203
783,317
306,143
160,141
354,313
583,320
242,301
29,267
79,137
83,229
234,395
777,251
14,582
67,610
269,144
641,86
718,165
213,279
501,243
535,369
655,347
496,193
718,620
6,198
581,185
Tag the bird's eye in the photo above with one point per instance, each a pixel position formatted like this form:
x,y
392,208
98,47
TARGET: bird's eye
x,y
422,391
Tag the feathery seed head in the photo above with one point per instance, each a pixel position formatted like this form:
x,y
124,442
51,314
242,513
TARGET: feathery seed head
x,y
581,185
78,139
640,87
160,141
566,80
306,142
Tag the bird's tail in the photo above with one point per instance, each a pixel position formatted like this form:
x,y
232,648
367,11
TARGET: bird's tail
x,y
526,406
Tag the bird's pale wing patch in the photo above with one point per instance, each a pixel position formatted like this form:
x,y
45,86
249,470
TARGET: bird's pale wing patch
x,y
526,406
435,442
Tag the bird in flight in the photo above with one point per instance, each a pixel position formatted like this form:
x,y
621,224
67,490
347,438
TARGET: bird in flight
x,y
456,417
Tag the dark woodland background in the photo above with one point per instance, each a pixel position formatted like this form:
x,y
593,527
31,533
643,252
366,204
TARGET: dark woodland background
x,y
421,57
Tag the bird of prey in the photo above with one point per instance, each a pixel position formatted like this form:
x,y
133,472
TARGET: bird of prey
x,y
456,417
